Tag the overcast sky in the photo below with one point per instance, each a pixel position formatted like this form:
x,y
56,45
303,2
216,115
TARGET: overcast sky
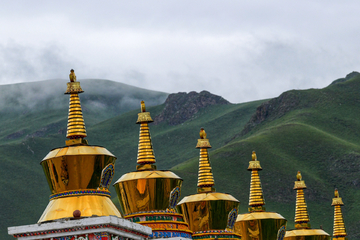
x,y
241,50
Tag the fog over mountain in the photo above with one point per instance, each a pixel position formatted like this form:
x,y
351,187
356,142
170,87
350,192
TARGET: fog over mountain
x,y
240,50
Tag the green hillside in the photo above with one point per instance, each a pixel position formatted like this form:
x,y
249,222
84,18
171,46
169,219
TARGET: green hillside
x,y
38,109
33,120
315,131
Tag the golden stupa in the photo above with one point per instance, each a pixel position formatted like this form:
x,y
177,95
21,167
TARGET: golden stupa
x,y
339,232
149,196
259,224
78,174
210,214
302,225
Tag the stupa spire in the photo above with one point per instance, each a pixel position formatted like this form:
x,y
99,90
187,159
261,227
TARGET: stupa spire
x,y
76,131
145,157
205,177
339,225
301,214
78,175
256,199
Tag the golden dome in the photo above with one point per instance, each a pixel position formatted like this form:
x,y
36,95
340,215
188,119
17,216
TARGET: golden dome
x,y
208,210
78,175
149,196
302,225
339,225
146,189
258,223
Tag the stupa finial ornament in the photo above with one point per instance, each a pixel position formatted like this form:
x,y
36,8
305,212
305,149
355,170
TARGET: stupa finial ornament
x,y
256,198
301,213
298,176
253,156
205,176
202,133
76,131
146,158
339,230
72,76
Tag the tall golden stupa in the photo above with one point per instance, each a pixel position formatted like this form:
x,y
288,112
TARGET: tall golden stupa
x,y
339,232
149,196
302,225
78,174
210,214
259,224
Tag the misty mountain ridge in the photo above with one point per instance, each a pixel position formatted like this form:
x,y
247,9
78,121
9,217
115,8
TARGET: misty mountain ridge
x,y
316,131
100,94
44,106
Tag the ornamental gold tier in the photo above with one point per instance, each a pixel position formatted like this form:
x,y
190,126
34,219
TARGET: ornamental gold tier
x,y
259,224
78,174
210,214
149,196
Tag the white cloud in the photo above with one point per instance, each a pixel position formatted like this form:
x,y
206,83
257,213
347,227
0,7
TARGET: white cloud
x,y
240,50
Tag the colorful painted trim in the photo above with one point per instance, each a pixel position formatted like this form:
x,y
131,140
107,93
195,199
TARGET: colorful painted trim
x,y
154,212
80,192
79,229
164,224
281,233
215,234
232,218
174,198
167,234
154,217
107,175
167,226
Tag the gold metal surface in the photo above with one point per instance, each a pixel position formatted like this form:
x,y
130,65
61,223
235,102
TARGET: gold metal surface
x,y
145,190
88,205
146,156
339,225
145,149
203,143
301,214
80,166
302,225
72,76
307,234
73,87
205,176
144,117
78,174
76,125
207,211
256,198
259,225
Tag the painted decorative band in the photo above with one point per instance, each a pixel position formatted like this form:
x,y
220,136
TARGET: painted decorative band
x,y
79,192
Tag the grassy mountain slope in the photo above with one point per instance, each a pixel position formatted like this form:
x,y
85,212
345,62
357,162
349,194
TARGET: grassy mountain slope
x,y
33,119
22,176
38,109
315,131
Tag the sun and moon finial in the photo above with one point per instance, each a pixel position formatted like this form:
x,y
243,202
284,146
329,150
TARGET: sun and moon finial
x,y
253,156
202,133
298,176
72,76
